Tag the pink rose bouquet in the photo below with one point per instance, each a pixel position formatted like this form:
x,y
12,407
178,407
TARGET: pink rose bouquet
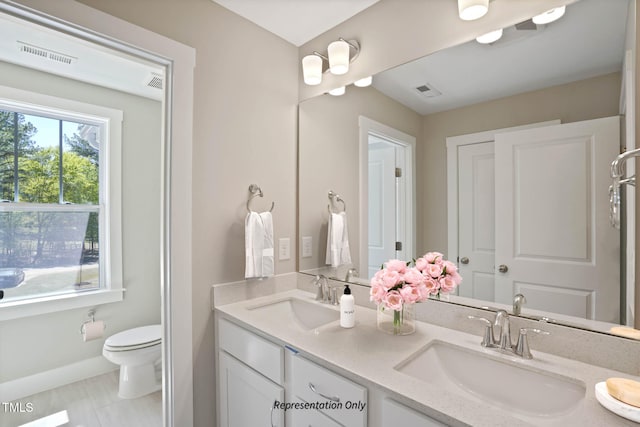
x,y
397,283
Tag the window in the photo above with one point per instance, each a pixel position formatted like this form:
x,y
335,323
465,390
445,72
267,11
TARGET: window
x,y
60,214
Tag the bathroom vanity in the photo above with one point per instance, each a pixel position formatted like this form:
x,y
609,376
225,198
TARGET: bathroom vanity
x,y
283,359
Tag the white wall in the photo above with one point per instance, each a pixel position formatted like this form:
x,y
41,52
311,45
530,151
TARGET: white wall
x,y
39,343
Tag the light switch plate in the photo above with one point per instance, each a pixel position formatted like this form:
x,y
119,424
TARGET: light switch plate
x,y
307,246
284,248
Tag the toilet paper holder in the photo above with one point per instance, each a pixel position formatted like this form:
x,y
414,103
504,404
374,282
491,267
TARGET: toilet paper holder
x,y
91,314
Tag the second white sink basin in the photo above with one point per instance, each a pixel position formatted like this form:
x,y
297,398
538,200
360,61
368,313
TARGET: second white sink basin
x,y
495,380
306,314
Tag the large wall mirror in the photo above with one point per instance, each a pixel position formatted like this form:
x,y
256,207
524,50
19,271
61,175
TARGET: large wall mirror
x,y
496,155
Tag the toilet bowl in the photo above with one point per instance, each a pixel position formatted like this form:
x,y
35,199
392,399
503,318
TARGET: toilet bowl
x,y
136,351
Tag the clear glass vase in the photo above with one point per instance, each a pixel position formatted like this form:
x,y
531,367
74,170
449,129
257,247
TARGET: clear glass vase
x,y
397,322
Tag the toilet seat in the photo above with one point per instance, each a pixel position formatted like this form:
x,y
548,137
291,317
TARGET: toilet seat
x,y
134,339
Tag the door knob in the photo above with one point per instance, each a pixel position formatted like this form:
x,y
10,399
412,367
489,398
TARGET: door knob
x,y
464,260
503,268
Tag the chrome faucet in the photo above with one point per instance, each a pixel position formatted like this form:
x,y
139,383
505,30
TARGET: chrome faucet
x,y
518,301
501,339
350,274
504,337
325,292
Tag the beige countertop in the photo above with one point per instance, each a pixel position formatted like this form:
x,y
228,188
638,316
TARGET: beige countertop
x,y
369,356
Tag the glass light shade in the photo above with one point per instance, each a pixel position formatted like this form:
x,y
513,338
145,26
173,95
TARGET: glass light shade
x,y
339,57
312,69
549,16
337,91
468,10
490,37
364,82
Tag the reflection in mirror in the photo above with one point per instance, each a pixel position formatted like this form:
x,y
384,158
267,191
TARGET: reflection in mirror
x,y
513,144
62,159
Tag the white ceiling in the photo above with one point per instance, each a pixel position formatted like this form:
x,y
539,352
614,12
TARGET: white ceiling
x,y
296,21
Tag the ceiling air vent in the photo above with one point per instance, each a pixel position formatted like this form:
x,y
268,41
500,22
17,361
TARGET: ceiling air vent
x,y
44,53
155,81
428,91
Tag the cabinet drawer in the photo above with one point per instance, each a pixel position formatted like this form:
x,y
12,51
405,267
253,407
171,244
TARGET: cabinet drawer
x,y
394,413
310,418
260,354
313,383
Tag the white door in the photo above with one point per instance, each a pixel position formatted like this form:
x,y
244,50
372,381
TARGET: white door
x,y
553,238
382,204
246,397
476,201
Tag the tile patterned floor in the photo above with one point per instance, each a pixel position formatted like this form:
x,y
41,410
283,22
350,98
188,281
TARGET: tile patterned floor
x,y
93,402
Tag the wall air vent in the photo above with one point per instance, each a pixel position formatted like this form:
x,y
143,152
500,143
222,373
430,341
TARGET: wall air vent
x,y
45,53
155,81
428,91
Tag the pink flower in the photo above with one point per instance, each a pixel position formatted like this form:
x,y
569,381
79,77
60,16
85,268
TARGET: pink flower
x,y
422,263
434,270
447,284
377,293
385,278
410,294
449,267
457,278
433,286
396,265
393,300
433,257
413,276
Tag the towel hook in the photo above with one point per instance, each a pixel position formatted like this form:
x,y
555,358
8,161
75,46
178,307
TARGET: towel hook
x,y
256,192
333,197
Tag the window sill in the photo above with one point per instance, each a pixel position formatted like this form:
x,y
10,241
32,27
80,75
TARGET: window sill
x,y
36,306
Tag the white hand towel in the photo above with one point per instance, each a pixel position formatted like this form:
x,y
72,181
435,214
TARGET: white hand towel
x,y
338,252
258,240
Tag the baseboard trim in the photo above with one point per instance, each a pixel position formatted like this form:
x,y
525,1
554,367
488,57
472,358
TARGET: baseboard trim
x,y
42,381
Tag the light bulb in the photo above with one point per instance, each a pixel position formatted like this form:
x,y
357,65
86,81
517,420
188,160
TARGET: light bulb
x,y
339,57
490,37
312,69
468,10
337,91
549,16
364,82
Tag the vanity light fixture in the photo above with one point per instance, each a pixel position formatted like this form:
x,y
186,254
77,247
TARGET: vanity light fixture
x,y
339,55
468,10
490,37
337,91
549,16
364,82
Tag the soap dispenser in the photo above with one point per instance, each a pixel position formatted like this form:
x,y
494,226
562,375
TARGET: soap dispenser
x,y
347,309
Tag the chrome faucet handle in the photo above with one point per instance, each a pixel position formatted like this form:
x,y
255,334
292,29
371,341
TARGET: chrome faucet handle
x,y
522,347
487,339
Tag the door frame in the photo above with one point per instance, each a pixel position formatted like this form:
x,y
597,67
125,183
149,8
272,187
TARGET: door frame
x,y
453,142
368,126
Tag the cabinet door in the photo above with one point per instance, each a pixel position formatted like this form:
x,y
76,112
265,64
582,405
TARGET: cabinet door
x,y
395,414
310,418
246,397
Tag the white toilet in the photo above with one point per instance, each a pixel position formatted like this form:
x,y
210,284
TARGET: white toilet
x,y
136,351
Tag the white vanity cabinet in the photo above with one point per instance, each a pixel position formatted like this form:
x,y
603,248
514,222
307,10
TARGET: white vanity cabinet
x,y
250,377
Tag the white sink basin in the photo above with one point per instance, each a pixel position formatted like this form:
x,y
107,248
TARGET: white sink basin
x,y
306,314
494,379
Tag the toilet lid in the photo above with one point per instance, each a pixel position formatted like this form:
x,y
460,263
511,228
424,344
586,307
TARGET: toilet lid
x,y
144,335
